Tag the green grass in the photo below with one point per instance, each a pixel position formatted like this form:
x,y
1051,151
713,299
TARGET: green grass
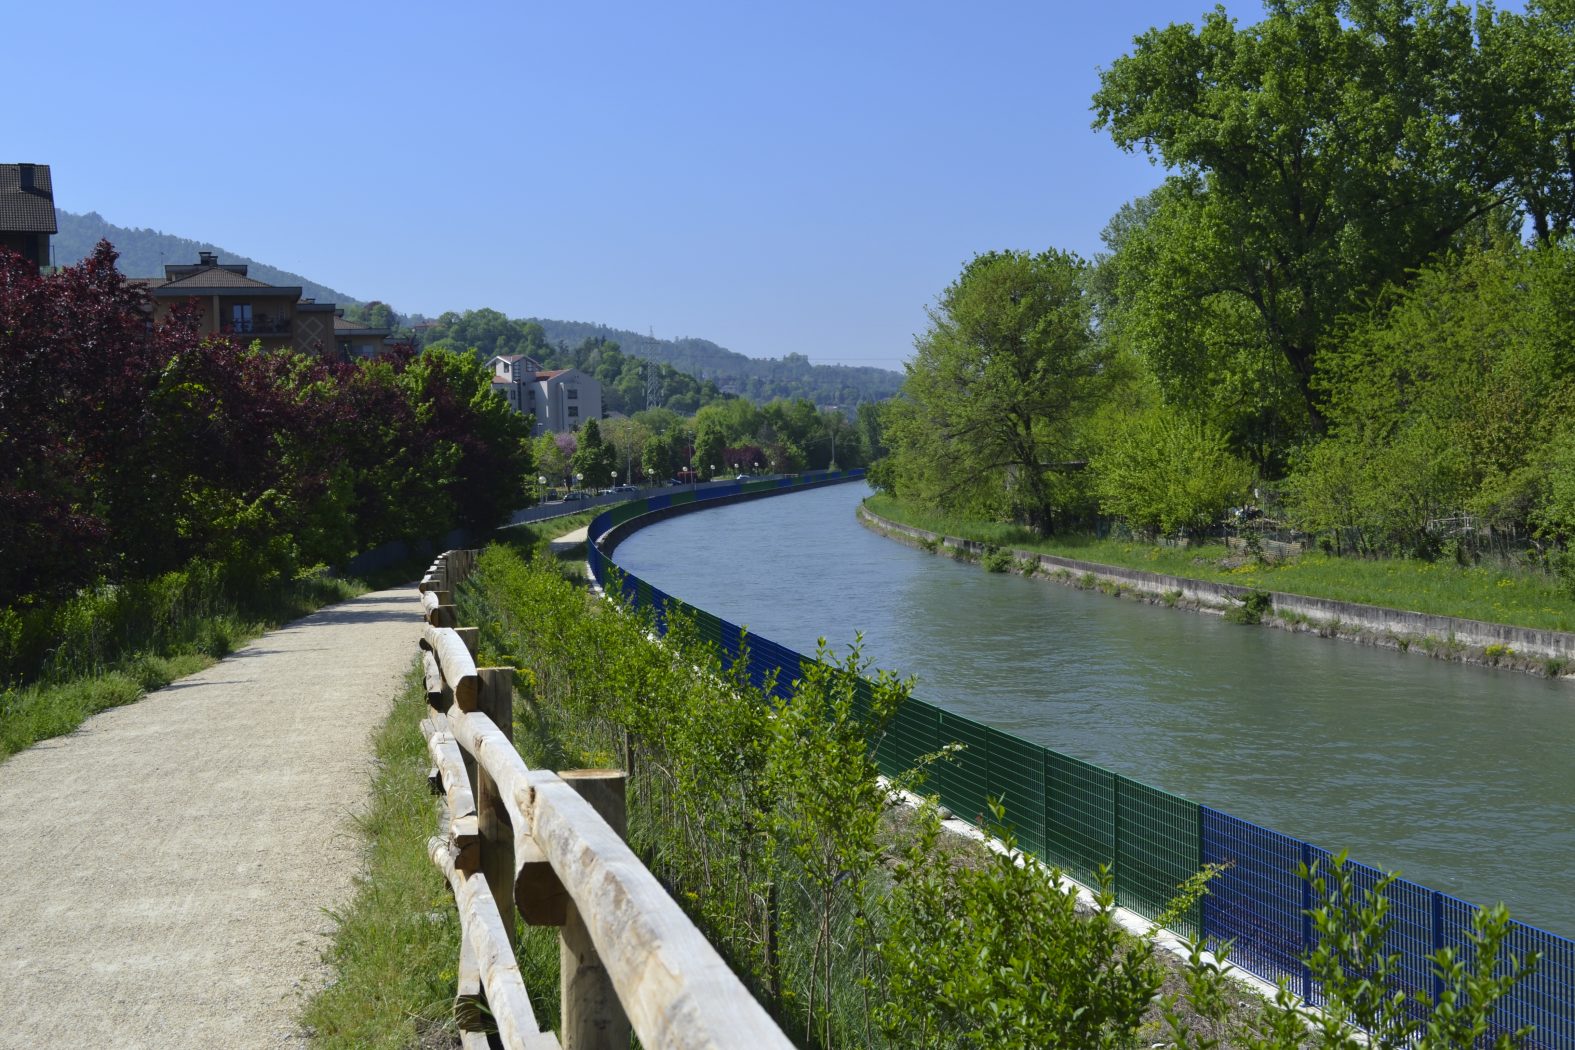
x,y
396,951
1524,599
60,703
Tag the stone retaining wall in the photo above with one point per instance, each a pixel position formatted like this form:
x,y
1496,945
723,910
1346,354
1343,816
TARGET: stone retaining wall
x,y
1474,641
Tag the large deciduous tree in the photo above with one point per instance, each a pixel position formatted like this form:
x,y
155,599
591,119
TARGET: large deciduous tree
x,y
1003,378
1319,156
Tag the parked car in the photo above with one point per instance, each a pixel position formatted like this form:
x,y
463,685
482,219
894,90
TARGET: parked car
x,y
578,494
623,488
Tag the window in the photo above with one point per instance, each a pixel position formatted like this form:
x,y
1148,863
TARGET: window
x,y
574,411
240,317
571,392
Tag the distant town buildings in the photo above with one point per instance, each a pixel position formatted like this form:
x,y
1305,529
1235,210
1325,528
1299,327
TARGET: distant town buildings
x,y
27,211
560,400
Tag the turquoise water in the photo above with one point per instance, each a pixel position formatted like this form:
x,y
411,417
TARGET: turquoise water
x,y
1459,777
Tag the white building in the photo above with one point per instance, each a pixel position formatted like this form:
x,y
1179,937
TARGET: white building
x,y
560,400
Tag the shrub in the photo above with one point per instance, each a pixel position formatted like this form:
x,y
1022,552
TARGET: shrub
x,y
997,559
1255,605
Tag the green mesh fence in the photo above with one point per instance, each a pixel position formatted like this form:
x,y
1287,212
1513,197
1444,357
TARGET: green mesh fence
x,y
624,512
1156,850
963,781
1080,816
913,733
1016,775
680,498
760,486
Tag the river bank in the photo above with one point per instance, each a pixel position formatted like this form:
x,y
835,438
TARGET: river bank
x,y
1543,652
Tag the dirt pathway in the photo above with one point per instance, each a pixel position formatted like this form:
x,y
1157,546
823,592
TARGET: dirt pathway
x,y
167,869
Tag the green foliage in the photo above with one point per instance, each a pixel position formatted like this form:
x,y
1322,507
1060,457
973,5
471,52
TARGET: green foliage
x,y
593,458
1293,204
1255,605
996,559
1161,472
997,954
997,396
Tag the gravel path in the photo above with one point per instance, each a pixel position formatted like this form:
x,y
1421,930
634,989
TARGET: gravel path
x,y
167,868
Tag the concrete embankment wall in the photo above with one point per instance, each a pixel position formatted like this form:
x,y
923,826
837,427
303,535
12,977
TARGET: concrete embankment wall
x,y
1452,637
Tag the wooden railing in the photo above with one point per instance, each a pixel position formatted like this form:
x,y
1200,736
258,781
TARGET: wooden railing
x,y
551,845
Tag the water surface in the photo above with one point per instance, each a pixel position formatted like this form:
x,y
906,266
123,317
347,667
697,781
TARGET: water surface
x,y
1460,777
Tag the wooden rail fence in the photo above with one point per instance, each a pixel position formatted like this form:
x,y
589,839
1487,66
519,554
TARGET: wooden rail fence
x,y
550,848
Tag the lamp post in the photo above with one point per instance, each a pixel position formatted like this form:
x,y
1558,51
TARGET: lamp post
x,y
541,479
713,472
579,479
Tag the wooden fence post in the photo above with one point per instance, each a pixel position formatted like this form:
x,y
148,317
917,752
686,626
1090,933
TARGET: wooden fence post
x,y
593,1019
495,699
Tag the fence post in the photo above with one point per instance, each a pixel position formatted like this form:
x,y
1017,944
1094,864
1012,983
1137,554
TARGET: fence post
x,y
1307,923
495,699
593,1019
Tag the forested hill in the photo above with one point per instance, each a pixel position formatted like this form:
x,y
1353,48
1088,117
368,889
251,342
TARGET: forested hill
x,y
143,253
758,379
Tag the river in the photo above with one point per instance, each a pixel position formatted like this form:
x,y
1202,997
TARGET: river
x,y
1459,777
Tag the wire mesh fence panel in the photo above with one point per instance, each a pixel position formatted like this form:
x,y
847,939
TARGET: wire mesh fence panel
x,y
1156,851
1410,936
1255,902
732,640
963,779
624,512
661,502
1017,777
1080,816
1545,999
678,499
913,733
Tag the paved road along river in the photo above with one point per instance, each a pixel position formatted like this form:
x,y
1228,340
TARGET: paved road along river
x,y
1460,777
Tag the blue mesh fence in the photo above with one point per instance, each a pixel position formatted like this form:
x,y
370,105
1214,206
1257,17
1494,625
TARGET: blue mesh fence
x,y
1080,817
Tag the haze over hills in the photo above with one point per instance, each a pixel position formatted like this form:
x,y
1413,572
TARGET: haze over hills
x,y
758,379
144,253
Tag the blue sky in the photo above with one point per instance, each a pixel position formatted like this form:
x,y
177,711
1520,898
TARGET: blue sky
x,y
774,177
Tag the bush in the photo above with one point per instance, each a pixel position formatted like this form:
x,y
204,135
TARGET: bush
x,y
997,559
1167,474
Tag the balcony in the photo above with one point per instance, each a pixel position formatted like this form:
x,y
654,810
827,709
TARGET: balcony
x,y
258,326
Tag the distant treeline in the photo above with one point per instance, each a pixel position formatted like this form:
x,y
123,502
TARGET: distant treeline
x,y
715,367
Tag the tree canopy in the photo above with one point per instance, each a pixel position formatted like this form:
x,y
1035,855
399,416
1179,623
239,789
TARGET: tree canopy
x,y
1318,156
994,397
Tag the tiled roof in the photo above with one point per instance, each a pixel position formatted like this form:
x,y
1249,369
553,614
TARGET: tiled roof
x,y
27,199
551,375
216,277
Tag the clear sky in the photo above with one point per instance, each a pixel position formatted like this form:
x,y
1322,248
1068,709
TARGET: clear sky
x,y
774,177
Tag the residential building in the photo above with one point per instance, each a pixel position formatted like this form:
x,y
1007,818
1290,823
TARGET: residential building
x,y
27,211
560,399
231,303
358,341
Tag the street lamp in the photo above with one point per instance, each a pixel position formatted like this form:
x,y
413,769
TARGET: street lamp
x,y
541,479
579,479
713,472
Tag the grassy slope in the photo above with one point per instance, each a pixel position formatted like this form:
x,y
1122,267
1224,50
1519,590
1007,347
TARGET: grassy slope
x,y
39,711
1445,589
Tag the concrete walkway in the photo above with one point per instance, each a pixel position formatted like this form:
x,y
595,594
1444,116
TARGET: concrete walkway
x,y
167,869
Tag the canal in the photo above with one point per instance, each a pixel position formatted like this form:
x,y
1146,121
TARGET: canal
x,y
1458,777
